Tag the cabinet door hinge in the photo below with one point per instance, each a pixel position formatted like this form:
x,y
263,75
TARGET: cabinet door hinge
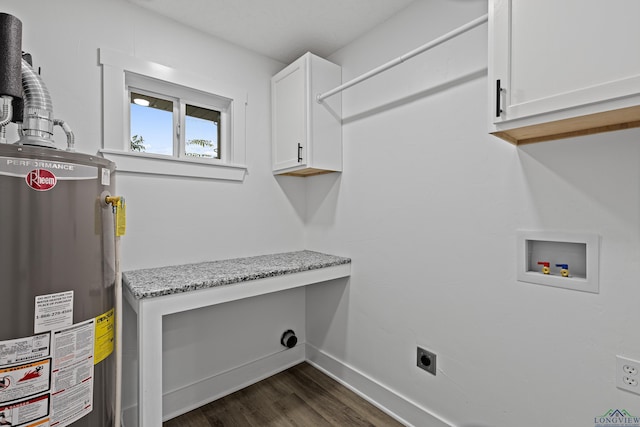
x,y
299,153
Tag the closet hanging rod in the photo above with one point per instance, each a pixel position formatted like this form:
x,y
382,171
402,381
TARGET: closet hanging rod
x,y
433,43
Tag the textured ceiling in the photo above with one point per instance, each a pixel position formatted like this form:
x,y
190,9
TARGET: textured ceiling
x,y
280,29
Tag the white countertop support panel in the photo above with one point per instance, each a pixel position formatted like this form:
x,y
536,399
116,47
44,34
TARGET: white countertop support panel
x,y
154,293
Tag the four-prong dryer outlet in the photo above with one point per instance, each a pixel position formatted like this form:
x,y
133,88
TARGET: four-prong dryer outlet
x,y
426,360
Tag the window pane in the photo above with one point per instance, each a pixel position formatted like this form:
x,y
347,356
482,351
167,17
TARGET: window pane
x,y
151,124
202,132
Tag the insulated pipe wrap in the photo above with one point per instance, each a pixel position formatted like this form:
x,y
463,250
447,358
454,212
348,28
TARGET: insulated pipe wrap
x,y
18,110
11,58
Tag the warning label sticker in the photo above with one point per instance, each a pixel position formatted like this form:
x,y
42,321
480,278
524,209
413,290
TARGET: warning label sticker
x,y
106,177
22,381
30,412
104,336
53,311
47,380
25,349
72,394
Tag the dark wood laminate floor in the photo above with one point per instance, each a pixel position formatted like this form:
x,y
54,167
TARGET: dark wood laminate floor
x,y
299,396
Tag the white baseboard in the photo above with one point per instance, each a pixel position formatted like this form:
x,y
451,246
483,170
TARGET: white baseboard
x,y
191,396
373,391
186,398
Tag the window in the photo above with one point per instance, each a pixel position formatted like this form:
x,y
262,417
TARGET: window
x,y
174,123
151,124
202,132
171,120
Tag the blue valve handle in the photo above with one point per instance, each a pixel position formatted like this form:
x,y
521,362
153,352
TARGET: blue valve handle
x,y
565,266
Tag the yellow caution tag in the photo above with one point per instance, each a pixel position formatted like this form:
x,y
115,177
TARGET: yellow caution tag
x,y
121,217
104,337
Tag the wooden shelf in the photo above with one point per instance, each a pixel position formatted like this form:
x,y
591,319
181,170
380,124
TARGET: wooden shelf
x,y
624,118
308,172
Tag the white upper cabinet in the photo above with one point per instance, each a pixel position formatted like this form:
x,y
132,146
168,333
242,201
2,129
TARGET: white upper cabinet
x,y
563,68
306,134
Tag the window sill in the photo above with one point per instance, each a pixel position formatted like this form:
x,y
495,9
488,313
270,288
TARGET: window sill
x,y
168,166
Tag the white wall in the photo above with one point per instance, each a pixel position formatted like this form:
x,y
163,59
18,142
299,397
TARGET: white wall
x,y
64,38
428,206
166,215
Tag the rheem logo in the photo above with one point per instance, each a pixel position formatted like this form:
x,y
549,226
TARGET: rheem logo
x,y
41,179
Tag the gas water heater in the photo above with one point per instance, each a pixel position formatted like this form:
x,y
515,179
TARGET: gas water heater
x,y
57,261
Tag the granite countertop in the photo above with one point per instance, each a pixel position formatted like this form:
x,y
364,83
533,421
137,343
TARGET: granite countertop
x,y
153,282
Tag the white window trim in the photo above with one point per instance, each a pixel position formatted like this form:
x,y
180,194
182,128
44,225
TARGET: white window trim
x,y
116,118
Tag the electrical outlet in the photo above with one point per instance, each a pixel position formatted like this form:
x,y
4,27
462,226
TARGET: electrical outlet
x,y
629,369
627,374
426,360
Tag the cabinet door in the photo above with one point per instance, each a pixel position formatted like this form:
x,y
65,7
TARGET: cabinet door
x,y
289,96
554,55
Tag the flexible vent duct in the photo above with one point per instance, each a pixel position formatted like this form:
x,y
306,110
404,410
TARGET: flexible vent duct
x,y
37,122
24,98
